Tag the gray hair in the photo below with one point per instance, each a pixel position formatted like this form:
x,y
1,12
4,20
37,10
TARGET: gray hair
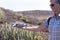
x,y
58,1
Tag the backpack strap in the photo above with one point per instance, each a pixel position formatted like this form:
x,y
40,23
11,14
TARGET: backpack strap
x,y
48,23
49,20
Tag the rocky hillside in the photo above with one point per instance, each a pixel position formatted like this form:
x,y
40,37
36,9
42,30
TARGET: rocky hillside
x,y
33,15
7,15
38,14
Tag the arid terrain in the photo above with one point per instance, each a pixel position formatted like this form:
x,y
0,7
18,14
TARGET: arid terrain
x,y
33,17
27,16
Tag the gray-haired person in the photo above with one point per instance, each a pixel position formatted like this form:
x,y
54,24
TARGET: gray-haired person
x,y
54,23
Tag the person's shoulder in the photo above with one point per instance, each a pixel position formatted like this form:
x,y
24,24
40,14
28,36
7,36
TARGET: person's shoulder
x,y
52,16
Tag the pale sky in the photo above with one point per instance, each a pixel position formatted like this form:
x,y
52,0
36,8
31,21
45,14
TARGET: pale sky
x,y
23,5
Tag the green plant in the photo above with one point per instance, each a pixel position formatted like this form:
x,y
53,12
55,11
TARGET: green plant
x,y
8,32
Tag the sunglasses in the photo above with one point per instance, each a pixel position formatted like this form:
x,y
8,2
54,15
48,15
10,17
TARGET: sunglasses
x,y
52,5
57,2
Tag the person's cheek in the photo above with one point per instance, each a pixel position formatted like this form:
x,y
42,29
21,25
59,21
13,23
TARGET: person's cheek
x,y
59,7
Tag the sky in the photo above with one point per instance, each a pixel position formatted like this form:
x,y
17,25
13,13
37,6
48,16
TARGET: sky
x,y
23,5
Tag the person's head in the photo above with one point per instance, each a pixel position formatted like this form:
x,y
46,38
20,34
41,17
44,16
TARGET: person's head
x,y
55,6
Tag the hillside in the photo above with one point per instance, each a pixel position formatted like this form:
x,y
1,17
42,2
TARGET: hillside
x,y
8,15
33,15
38,14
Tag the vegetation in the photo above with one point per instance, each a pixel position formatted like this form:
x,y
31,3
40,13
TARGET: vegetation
x,y
30,20
8,32
2,15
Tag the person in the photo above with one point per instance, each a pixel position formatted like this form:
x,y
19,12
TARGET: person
x,y
54,24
